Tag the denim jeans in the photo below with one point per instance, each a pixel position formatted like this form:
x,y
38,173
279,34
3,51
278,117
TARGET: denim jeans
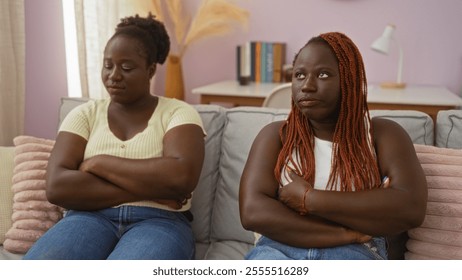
x,y
267,249
126,232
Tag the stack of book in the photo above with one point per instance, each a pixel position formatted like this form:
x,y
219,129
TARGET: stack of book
x,y
261,61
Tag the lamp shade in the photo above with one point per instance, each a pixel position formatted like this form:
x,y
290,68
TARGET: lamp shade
x,y
382,44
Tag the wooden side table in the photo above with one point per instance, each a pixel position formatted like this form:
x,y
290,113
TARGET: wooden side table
x,y
427,99
231,92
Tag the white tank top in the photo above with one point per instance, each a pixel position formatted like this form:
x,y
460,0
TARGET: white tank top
x,y
323,161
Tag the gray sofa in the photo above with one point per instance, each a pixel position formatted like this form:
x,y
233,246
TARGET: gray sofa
x,y
216,225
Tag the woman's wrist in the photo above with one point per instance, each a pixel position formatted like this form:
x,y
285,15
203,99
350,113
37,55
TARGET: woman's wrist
x,y
308,200
304,210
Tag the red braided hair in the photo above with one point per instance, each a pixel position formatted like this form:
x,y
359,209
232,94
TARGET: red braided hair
x,y
354,165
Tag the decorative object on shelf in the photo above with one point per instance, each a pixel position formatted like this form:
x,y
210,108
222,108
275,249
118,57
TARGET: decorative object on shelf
x,y
213,18
382,45
174,84
243,67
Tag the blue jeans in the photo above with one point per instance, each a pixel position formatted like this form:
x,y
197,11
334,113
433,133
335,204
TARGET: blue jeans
x,y
126,232
267,249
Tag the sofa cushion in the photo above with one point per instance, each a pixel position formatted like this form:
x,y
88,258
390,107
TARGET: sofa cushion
x,y
213,118
6,194
32,214
449,129
5,255
418,125
227,250
242,126
440,235
67,104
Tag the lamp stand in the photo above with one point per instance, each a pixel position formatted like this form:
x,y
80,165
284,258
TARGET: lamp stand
x,y
399,84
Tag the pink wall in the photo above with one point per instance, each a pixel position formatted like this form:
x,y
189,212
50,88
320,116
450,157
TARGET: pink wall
x,y
427,29
46,80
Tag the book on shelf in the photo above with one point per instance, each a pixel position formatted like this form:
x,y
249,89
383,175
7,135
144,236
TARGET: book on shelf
x,y
261,61
279,59
268,63
257,59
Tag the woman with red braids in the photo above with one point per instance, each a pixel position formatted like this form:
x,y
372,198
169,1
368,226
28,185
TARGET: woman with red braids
x,y
330,182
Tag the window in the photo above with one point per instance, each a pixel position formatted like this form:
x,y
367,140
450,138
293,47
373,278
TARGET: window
x,y
72,56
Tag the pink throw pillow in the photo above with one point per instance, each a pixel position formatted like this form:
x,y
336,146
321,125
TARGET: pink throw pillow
x,y
440,235
32,214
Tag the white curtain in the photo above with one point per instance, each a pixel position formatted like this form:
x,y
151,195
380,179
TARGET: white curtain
x,y
12,70
95,22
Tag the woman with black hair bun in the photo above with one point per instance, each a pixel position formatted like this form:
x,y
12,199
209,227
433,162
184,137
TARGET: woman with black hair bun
x,y
125,167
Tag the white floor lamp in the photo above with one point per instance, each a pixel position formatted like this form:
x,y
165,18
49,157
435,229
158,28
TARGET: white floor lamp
x,y
382,45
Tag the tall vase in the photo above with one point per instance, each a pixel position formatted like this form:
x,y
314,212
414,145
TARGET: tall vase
x,y
174,85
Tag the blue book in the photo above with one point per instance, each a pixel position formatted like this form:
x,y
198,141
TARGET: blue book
x,y
269,63
263,62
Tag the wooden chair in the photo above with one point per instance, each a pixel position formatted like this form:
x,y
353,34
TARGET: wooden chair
x,y
280,97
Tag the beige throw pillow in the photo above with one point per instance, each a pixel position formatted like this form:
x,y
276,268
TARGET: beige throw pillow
x,y
6,195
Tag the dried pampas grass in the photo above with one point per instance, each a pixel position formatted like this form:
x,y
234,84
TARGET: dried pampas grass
x,y
157,9
213,18
179,20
